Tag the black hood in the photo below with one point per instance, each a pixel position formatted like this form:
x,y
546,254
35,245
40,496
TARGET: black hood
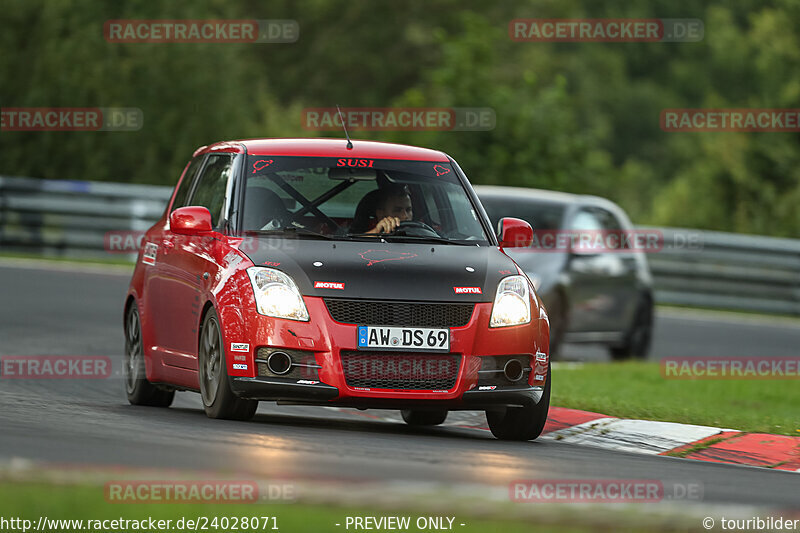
x,y
385,271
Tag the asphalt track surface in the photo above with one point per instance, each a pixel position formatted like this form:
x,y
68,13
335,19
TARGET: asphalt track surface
x,y
75,312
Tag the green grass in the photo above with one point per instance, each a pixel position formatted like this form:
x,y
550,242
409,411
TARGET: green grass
x,y
83,502
637,390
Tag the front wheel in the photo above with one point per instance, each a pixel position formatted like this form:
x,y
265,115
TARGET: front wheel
x,y
521,423
219,401
139,390
423,418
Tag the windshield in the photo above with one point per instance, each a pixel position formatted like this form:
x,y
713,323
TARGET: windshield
x,y
540,215
348,198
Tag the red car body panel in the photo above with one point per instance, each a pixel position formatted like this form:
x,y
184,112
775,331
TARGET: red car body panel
x,y
211,271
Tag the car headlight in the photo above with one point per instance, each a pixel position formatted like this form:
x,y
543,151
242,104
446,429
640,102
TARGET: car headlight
x,y
277,294
512,303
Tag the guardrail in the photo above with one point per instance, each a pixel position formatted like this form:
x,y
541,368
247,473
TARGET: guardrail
x,y
729,271
721,270
72,218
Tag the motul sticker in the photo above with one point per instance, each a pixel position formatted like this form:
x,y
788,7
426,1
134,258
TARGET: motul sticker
x,y
149,254
238,366
307,382
240,347
467,290
487,387
329,285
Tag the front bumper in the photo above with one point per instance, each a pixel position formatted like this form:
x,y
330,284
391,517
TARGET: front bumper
x,y
322,340
284,391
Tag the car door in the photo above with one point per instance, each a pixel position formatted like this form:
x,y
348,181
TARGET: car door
x,y
158,313
186,263
586,268
618,270
619,273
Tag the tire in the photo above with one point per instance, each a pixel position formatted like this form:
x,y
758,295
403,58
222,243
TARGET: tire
x,y
557,312
521,423
423,418
219,401
637,340
139,390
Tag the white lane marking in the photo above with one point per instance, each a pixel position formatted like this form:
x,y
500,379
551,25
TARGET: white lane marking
x,y
67,266
725,317
639,436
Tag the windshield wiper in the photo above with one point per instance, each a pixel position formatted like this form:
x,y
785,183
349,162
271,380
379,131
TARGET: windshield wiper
x,y
292,230
418,238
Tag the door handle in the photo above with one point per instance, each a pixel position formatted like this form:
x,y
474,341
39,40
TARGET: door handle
x,y
168,245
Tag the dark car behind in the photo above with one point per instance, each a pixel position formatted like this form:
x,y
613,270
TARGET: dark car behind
x,y
591,296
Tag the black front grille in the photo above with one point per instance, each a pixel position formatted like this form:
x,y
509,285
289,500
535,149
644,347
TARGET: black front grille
x,y
410,314
400,371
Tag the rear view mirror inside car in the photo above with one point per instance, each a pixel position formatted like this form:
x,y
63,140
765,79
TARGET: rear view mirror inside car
x,y
356,174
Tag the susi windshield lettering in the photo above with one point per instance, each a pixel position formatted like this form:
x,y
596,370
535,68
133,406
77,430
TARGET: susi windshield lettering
x,y
355,163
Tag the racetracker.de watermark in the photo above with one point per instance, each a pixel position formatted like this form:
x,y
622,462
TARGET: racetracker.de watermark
x,y
400,118
131,241
71,119
613,241
201,31
606,30
730,368
603,491
55,367
753,120
196,491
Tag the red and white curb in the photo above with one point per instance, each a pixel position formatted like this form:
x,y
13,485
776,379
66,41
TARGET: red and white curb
x,y
713,444
703,443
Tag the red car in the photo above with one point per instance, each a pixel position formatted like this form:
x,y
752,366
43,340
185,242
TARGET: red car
x,y
324,272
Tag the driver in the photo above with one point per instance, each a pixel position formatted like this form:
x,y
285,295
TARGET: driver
x,y
392,206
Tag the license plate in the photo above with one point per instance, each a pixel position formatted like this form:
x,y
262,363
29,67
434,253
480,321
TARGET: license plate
x,y
409,339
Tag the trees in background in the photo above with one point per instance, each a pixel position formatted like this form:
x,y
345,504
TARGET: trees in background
x,y
580,117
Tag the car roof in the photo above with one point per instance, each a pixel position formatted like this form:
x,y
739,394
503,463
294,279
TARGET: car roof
x,y
542,195
326,147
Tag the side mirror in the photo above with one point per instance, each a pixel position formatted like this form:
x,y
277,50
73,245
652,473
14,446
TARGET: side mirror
x,y
514,233
190,220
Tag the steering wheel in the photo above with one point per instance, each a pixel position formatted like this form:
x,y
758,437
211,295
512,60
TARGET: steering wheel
x,y
415,228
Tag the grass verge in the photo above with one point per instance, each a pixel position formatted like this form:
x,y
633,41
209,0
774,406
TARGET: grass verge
x,y
30,501
638,390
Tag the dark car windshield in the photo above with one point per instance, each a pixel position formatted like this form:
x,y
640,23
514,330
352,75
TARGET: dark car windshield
x,y
541,215
344,198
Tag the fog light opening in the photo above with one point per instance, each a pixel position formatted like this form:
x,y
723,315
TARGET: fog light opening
x,y
513,370
279,363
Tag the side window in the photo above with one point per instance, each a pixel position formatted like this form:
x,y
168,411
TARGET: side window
x,y
212,186
608,220
612,224
585,220
186,183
